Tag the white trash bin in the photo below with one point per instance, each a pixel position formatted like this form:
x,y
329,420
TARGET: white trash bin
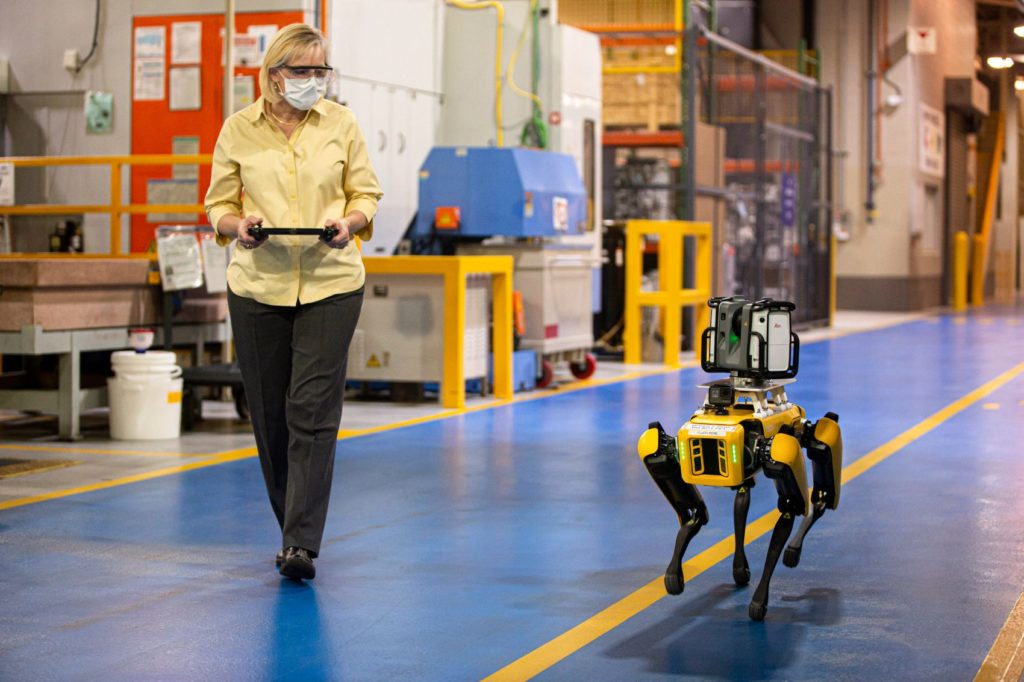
x,y
145,395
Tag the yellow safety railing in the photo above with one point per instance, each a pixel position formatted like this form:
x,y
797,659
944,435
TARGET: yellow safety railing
x,y
115,208
671,297
454,270
979,247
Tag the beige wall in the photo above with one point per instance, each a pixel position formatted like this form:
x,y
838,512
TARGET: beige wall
x,y
904,239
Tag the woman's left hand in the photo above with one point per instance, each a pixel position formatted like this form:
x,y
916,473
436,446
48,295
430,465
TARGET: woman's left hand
x,y
343,237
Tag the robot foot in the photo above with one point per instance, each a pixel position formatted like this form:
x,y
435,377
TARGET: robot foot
x,y
674,573
674,583
757,610
741,573
791,557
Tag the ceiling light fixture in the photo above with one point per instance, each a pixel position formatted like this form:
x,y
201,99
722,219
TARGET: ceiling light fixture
x,y
999,62
1018,31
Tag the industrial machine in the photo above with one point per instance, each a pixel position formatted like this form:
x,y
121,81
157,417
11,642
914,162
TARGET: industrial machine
x,y
519,202
558,273
541,205
400,336
747,424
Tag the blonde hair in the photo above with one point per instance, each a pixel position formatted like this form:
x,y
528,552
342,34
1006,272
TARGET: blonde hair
x,y
291,40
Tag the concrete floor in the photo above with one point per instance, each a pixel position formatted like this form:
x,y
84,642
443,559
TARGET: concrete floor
x,y
526,539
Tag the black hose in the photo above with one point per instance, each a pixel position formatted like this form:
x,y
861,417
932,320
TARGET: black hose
x,y
95,35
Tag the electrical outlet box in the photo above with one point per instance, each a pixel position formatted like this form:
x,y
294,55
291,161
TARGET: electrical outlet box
x,y
71,60
99,112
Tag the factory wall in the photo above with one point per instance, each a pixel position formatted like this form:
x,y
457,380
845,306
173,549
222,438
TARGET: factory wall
x,y
43,115
893,258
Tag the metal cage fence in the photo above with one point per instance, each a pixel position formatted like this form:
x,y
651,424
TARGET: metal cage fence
x,y
775,178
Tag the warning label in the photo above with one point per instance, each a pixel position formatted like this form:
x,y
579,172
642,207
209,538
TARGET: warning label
x,y
709,429
373,361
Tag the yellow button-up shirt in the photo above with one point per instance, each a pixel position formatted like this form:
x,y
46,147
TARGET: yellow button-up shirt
x,y
322,172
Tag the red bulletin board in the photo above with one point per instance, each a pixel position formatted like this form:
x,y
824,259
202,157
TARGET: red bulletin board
x,y
154,125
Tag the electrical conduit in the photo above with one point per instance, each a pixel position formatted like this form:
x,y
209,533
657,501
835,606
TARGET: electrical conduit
x,y
535,132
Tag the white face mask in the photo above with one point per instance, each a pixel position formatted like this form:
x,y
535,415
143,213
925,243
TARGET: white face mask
x,y
303,93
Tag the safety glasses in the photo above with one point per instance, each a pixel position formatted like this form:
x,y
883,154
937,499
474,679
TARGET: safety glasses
x,y
302,71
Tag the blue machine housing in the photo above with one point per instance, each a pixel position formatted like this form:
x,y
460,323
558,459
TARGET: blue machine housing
x,y
500,191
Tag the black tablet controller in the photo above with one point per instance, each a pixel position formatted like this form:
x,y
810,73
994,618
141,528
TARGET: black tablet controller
x,y
259,233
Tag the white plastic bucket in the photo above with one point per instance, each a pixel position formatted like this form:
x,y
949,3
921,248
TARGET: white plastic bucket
x,y
145,396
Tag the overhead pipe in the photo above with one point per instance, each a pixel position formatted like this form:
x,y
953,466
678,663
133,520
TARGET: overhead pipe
x,y
229,57
869,203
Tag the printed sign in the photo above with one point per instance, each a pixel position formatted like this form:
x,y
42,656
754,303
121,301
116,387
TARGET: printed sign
x,y
6,184
560,213
931,133
181,265
708,429
787,204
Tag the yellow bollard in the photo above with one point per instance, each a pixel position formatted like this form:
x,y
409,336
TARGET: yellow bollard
x,y
960,271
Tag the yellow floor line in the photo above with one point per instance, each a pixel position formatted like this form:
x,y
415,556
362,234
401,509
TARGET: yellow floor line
x,y
92,451
566,644
1005,661
229,456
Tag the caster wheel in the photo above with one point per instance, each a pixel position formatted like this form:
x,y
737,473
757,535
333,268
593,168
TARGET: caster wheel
x,y
741,576
547,374
241,403
584,369
757,611
674,583
791,557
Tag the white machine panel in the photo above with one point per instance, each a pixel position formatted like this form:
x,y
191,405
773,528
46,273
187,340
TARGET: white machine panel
x,y
774,328
400,335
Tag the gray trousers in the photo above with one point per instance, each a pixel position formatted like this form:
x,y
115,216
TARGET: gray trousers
x,y
293,362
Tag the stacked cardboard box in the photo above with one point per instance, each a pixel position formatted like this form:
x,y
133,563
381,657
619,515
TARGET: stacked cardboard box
x,y
77,293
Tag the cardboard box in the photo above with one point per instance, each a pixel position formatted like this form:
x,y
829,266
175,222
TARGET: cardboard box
x,y
77,293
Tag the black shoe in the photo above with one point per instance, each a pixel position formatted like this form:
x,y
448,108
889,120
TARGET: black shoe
x,y
279,559
297,564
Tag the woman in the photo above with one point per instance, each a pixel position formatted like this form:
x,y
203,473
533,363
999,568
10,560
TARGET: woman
x,y
294,159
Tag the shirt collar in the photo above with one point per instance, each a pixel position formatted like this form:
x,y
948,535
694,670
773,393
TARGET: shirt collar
x,y
253,112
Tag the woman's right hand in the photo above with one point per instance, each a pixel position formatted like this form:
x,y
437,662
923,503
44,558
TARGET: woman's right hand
x,y
245,239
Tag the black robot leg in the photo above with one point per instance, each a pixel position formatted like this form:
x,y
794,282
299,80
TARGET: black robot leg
x,y
759,604
740,567
792,556
782,460
824,444
658,451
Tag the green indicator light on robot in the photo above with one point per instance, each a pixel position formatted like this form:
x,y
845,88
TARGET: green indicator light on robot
x,y
734,453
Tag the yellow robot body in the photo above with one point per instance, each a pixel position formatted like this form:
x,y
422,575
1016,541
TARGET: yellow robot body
x,y
712,444
747,426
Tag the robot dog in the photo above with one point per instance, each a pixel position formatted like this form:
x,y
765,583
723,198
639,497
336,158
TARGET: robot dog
x,y
746,425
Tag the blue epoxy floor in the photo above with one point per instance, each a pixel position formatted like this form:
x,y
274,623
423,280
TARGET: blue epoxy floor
x,y
455,547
